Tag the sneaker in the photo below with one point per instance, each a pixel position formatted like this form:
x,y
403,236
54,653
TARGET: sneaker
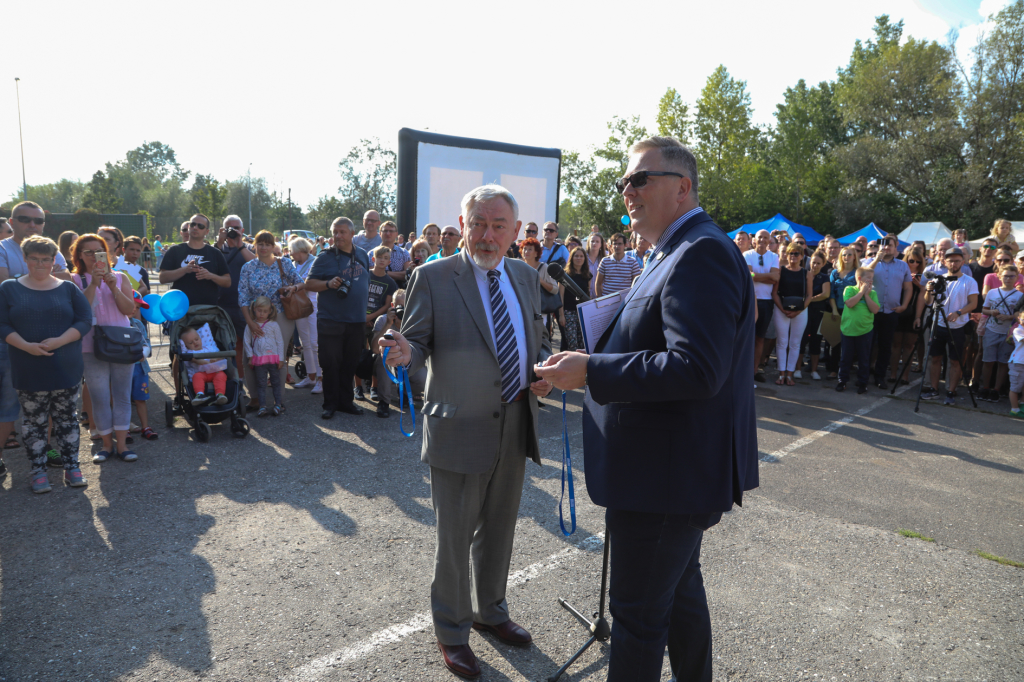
x,y
74,478
318,388
176,407
861,389
948,400
221,399
263,412
128,456
305,383
990,395
357,393
53,458
374,396
798,374
1019,414
201,399
929,394
40,483
841,386
3,470
815,376
383,409
276,411
100,457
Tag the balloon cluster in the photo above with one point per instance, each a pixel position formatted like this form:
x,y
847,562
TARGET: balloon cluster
x,y
167,308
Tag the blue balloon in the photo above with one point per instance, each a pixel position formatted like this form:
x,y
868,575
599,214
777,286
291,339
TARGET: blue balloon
x,y
152,313
625,220
174,305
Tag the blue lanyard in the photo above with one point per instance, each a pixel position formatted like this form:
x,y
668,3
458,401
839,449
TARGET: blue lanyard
x,y
402,379
566,467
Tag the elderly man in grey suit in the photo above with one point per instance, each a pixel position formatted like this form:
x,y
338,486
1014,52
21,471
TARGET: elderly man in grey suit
x,y
474,320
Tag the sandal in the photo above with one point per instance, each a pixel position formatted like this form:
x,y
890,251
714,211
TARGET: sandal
x,y
149,434
11,443
94,435
780,381
790,382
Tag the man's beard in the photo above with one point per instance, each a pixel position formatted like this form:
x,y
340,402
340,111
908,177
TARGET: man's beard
x,y
486,256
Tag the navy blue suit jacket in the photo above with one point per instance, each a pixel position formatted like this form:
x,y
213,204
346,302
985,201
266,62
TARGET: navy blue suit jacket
x,y
668,418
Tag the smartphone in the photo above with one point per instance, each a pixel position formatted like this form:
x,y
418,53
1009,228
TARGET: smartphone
x,y
101,267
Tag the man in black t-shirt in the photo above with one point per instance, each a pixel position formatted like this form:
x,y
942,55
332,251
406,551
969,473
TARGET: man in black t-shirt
x,y
195,267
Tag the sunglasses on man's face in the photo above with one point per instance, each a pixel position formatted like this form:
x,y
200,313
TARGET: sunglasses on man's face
x,y
547,231
25,220
531,232
989,247
199,225
639,179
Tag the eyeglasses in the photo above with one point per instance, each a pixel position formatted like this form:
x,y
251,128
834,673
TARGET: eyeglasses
x,y
639,179
760,259
1003,260
199,225
41,261
989,247
912,261
92,252
549,230
531,232
25,220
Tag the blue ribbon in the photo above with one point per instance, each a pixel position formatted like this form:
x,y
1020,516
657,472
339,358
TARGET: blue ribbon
x,y
566,467
402,379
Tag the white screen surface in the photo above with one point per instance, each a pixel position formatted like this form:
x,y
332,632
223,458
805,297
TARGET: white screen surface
x,y
445,174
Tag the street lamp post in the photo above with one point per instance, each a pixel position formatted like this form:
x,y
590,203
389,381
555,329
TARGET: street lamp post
x,y
24,183
249,177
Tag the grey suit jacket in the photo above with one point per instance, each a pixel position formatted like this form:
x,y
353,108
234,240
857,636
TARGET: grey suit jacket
x,y
446,326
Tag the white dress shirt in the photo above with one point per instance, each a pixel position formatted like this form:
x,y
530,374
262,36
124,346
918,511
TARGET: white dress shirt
x,y
515,312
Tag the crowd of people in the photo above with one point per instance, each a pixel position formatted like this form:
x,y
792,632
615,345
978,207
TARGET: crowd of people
x,y
874,307
866,306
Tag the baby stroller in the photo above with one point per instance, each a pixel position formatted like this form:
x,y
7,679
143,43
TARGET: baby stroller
x,y
200,418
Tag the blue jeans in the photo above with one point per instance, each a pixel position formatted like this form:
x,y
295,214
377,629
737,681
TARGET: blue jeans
x,y
657,596
856,348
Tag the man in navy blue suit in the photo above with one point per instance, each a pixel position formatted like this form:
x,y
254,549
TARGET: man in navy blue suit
x,y
672,372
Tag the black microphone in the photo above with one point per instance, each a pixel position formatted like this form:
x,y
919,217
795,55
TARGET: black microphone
x,y
556,272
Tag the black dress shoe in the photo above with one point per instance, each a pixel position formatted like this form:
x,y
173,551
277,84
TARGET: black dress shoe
x,y
508,632
460,659
383,409
861,388
327,414
882,384
841,386
350,409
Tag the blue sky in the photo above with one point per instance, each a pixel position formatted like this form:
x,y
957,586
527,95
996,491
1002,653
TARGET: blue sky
x,y
290,88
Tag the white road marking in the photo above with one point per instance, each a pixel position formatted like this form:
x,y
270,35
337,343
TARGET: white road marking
x,y
315,669
770,457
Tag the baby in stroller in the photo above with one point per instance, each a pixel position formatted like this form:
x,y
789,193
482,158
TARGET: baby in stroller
x,y
202,371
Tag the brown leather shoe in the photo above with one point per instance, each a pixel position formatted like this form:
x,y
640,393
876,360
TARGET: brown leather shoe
x,y
508,632
460,659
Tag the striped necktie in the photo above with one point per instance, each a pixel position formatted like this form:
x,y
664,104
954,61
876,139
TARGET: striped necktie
x,y
504,340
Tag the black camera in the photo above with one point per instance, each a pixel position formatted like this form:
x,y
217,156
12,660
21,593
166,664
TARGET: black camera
x,y
344,288
233,233
938,281
399,311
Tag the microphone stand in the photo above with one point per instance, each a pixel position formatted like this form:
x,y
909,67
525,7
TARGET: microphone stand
x,y
599,628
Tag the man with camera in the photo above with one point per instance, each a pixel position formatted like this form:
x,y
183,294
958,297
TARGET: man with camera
x,y
343,273
474,321
960,295
232,246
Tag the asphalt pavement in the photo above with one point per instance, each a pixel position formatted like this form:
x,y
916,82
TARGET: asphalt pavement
x,y
304,552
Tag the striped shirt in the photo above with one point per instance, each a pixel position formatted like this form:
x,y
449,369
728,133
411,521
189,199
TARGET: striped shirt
x,y
618,274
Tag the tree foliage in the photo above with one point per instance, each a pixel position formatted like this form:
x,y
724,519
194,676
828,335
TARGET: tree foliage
x,y
101,194
369,175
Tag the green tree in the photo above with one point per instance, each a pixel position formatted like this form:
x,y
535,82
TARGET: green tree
x,y
158,159
101,195
725,139
208,198
321,214
63,196
369,174
237,202
674,116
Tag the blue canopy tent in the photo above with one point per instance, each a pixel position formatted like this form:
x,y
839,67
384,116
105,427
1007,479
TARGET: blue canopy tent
x,y
872,232
781,222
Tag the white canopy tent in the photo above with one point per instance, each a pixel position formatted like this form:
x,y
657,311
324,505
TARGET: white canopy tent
x,y
1016,229
929,233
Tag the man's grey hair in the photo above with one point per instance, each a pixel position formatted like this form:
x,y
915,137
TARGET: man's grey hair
x,y
343,221
486,193
945,240
675,154
232,217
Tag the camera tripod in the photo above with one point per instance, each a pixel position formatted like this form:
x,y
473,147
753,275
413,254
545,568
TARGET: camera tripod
x,y
599,628
938,310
